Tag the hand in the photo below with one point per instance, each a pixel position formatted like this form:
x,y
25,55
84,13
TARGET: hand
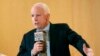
x,y
88,51
38,47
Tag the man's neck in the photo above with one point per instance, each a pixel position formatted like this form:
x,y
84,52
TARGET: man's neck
x,y
45,28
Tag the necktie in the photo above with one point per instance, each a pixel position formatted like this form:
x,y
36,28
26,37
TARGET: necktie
x,y
44,53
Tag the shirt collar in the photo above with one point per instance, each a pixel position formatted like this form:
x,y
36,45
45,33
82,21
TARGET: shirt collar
x,y
47,27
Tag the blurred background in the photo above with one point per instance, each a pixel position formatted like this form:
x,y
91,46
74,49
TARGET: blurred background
x,y
83,16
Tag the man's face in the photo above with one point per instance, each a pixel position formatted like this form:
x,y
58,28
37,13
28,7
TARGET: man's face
x,y
39,17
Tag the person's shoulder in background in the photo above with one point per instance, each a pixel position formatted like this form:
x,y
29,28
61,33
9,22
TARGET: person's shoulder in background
x,y
1,54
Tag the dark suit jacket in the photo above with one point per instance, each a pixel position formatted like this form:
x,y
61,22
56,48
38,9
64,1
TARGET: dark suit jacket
x,y
60,38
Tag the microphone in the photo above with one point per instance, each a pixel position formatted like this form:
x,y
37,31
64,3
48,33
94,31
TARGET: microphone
x,y
40,36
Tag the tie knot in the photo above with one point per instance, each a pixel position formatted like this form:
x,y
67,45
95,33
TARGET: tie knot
x,y
44,32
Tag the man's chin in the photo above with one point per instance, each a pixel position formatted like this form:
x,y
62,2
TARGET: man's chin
x,y
39,27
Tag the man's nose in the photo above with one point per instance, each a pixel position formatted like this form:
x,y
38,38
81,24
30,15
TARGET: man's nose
x,y
35,18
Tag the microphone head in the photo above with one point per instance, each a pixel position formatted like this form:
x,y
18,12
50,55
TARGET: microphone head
x,y
39,36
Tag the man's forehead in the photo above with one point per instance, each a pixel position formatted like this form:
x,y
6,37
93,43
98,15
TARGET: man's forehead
x,y
37,10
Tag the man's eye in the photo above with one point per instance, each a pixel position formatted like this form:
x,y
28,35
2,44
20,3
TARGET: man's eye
x,y
38,15
32,15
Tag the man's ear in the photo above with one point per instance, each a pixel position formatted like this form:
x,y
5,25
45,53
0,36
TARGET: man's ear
x,y
47,17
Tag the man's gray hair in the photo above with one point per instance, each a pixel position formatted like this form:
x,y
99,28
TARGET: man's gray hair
x,y
43,6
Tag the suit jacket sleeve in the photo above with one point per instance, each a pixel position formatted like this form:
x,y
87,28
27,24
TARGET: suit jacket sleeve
x,y
23,51
76,40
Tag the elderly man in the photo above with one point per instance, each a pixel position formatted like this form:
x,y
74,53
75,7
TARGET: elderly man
x,y
59,36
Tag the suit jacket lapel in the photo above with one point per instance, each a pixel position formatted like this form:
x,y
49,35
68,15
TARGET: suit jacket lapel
x,y
32,41
52,33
